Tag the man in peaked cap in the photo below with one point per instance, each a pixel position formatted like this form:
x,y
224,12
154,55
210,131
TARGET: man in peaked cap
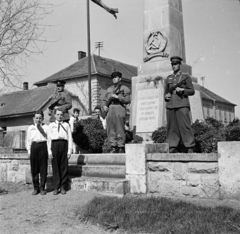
x,y
61,100
114,104
178,108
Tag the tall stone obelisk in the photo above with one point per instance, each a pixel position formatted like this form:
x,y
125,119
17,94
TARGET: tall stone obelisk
x,y
163,37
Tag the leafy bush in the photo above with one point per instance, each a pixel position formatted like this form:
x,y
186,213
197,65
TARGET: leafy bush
x,y
90,135
207,134
233,130
160,135
106,146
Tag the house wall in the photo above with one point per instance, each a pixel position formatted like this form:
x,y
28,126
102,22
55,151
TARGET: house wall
x,y
222,112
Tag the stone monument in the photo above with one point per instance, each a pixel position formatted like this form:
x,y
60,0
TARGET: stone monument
x,y
163,37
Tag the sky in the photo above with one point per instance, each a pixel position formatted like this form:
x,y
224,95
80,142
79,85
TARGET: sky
x,y
212,40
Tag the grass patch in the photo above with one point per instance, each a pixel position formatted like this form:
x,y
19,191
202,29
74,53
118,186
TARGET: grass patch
x,y
10,187
159,215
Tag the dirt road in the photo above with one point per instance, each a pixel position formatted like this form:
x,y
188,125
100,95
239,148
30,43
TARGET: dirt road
x,y
21,212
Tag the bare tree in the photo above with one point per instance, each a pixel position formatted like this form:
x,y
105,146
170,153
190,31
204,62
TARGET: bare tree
x,y
21,36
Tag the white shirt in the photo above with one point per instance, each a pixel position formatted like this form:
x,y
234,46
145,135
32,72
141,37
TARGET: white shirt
x,y
71,122
54,134
104,123
33,134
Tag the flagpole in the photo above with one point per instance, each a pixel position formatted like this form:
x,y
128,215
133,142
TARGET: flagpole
x,y
89,59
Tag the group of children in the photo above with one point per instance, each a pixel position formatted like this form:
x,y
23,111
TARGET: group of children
x,y
54,142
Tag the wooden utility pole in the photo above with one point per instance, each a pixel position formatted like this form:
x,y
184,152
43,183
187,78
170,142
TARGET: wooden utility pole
x,y
89,59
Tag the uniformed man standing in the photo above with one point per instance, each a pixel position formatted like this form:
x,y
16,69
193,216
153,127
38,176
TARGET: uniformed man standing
x,y
178,108
61,100
114,103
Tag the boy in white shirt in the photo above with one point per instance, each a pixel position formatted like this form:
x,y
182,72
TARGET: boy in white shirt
x,y
37,149
59,150
72,122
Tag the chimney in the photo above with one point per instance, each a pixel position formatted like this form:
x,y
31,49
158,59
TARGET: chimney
x,y
25,85
81,55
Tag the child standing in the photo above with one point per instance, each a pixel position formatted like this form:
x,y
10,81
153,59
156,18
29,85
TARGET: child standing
x,y
37,149
72,122
59,149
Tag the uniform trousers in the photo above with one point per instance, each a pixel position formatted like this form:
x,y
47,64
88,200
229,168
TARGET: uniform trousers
x,y
179,127
116,125
59,163
39,164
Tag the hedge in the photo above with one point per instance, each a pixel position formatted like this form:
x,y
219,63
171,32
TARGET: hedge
x,y
207,134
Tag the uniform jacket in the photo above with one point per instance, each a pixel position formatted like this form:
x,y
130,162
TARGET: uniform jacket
x,y
123,93
179,100
64,101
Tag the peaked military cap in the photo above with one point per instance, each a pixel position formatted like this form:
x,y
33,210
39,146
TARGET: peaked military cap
x,y
115,74
60,82
176,59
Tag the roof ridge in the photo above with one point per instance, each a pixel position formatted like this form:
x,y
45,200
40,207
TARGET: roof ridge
x,y
24,91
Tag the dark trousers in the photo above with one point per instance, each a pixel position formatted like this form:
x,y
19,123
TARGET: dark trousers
x,y
59,163
39,164
116,125
179,127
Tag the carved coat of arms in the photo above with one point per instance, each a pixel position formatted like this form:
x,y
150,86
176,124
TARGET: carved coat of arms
x,y
155,45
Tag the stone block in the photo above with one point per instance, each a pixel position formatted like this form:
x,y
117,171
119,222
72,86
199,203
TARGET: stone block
x,y
135,159
157,148
154,177
11,176
210,185
191,191
204,167
3,172
28,176
152,19
193,180
160,166
14,165
138,183
180,171
229,169
166,188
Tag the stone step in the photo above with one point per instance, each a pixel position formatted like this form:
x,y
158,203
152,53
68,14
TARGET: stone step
x,y
102,185
102,171
106,159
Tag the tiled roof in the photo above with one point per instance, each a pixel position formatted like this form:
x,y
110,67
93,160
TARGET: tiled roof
x,y
207,94
23,102
99,65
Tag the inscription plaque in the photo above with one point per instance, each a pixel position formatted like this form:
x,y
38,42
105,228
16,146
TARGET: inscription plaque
x,y
148,108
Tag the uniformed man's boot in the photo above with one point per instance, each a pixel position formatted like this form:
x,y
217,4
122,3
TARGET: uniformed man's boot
x,y
113,150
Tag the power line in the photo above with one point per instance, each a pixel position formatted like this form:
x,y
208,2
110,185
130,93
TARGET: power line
x,y
99,45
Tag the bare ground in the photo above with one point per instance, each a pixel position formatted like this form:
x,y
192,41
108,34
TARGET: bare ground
x,y
21,212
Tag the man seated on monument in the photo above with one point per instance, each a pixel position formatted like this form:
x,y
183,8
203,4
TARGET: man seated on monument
x,y
114,104
178,87
61,100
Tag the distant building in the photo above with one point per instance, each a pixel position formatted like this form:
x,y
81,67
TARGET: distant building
x,y
216,106
17,110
